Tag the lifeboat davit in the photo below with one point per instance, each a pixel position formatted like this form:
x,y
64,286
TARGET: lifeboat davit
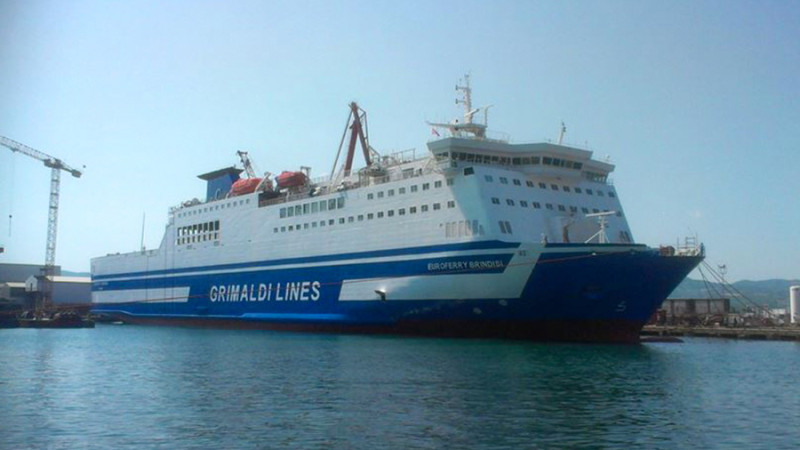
x,y
291,179
244,186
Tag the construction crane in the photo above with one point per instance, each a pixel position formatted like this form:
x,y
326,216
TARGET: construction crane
x,y
56,166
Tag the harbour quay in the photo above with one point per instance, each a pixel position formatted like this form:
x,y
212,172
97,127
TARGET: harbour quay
x,y
784,333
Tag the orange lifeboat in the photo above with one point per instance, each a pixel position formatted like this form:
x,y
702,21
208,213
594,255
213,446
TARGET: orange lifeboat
x,y
244,186
291,179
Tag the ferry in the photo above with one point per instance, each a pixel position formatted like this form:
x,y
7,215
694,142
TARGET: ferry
x,y
478,237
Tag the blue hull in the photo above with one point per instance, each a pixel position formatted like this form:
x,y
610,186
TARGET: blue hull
x,y
571,294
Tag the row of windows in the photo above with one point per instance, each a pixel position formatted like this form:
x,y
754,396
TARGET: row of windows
x,y
550,206
221,205
312,207
555,187
517,161
200,232
362,217
402,190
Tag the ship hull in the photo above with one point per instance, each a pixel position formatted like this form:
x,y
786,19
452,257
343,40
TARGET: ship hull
x,y
556,292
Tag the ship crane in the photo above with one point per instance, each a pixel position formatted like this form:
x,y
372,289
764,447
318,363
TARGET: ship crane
x,y
248,165
56,166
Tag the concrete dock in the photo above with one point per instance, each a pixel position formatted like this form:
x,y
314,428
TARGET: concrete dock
x,y
785,333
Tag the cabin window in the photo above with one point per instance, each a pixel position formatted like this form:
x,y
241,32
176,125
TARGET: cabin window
x,y
314,207
562,208
573,209
390,213
523,203
369,196
380,194
306,208
517,182
554,187
298,210
509,202
341,220
469,171
390,193
332,204
290,212
547,161
401,212
340,202
548,205
437,184
600,194
503,180
426,186
451,204
283,213
331,222
412,210
414,188
380,214
488,178
565,188
516,161
578,190
401,191
542,185
495,200
611,194
529,183
585,210
360,217
537,205
450,181
589,192
351,219
370,216
505,227
305,226
424,208
437,206
595,210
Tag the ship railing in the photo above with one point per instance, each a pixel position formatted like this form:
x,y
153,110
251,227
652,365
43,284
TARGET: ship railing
x,y
690,246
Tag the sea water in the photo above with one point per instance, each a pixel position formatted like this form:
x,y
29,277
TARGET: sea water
x,y
150,387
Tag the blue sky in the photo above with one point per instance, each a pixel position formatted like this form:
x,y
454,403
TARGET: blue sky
x,y
696,102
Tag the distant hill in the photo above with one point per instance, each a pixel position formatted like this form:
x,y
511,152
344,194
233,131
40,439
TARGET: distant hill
x,y
69,273
774,293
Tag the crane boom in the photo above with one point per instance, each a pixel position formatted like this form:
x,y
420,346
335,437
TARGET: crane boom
x,y
49,161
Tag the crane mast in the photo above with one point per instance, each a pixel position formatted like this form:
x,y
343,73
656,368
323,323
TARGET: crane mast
x,y
56,166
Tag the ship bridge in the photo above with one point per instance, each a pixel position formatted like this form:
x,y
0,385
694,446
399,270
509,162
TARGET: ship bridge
x,y
544,159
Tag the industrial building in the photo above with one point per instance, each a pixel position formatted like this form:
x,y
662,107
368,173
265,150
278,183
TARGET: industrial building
x,y
65,291
693,311
12,282
20,283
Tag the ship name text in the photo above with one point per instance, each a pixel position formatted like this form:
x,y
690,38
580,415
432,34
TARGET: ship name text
x,y
448,266
301,291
